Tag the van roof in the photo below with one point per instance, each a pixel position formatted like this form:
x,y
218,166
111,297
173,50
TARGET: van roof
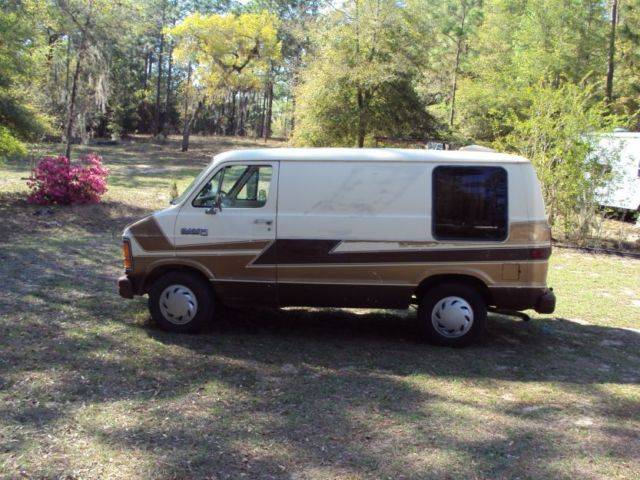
x,y
368,154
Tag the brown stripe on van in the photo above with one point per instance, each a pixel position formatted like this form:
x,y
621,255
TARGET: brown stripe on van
x,y
233,267
291,252
529,273
218,266
236,270
151,238
520,233
149,235
250,245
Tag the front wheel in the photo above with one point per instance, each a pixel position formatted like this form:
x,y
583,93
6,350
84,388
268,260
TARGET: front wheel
x,y
180,302
452,314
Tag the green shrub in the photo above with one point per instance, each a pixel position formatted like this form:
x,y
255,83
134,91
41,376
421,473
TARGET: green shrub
x,y
10,146
556,132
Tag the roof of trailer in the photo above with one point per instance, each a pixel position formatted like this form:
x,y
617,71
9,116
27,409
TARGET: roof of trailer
x,y
367,154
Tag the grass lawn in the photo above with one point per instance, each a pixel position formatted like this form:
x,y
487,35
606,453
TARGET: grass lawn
x,y
89,388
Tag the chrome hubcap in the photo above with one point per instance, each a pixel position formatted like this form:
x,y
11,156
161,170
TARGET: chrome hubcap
x,y
452,317
178,304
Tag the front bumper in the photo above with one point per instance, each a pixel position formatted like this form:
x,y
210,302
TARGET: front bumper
x,y
125,287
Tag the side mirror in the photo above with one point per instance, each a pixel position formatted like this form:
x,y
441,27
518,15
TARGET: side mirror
x,y
216,207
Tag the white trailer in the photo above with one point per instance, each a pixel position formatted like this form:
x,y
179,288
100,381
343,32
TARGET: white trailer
x,y
623,191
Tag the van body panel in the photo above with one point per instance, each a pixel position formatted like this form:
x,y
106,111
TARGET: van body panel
x,y
229,225
353,201
532,194
227,241
154,234
345,228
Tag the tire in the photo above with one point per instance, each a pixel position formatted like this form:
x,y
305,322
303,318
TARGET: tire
x,y
181,302
452,314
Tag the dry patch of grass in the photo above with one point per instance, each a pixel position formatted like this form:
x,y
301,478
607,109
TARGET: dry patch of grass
x,y
598,289
90,389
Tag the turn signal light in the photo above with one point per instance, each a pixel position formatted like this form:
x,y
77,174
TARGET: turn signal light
x,y
126,252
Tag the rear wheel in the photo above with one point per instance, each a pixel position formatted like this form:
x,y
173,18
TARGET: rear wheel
x,y
452,314
181,302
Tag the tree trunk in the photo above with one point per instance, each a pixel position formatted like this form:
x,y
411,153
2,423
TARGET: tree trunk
x,y
612,51
186,133
146,69
220,125
149,69
68,68
263,113
255,107
241,111
362,116
245,123
157,122
231,128
186,128
167,100
217,118
293,114
72,100
269,112
454,84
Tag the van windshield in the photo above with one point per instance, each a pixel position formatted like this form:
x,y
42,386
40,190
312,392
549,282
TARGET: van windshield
x,y
190,187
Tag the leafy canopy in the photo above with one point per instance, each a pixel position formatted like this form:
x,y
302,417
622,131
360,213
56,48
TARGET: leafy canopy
x,y
228,51
361,79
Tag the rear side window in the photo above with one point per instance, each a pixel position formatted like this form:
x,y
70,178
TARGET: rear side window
x,y
470,203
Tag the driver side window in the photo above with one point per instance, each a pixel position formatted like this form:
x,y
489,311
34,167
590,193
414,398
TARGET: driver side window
x,y
208,194
238,186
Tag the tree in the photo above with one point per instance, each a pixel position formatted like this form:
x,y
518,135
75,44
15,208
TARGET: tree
x,y
461,17
363,72
296,19
520,44
87,26
612,51
229,54
339,72
554,133
19,119
625,98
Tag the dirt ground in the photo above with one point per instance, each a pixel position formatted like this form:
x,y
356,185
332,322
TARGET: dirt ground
x,y
91,389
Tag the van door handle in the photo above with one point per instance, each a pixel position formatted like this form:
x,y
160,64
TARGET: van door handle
x,y
263,221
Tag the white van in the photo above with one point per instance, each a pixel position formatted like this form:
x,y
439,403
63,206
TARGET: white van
x,y
454,232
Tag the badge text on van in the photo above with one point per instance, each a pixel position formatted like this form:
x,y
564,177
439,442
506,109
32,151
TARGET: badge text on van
x,y
195,231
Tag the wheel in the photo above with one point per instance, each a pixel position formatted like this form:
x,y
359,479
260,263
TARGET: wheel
x,y
452,314
180,302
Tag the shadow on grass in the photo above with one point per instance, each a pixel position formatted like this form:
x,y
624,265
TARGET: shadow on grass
x,y
322,392
511,349
20,218
334,384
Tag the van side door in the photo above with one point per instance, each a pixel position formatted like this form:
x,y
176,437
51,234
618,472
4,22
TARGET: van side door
x,y
228,224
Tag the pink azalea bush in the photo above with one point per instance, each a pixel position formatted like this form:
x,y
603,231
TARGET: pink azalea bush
x,y
57,180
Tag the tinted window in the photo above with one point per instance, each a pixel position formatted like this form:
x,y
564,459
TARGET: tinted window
x,y
470,203
239,186
207,195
